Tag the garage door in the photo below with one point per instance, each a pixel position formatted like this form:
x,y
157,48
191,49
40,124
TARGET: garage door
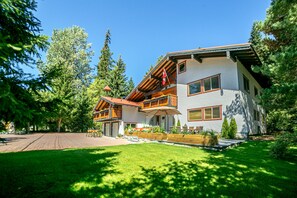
x,y
107,129
115,129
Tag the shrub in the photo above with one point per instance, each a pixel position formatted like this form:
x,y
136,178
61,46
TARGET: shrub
x,y
225,128
178,123
173,130
232,129
281,147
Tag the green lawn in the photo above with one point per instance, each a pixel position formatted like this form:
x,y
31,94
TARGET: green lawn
x,y
148,170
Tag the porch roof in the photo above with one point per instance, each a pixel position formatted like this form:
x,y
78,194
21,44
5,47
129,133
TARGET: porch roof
x,y
114,101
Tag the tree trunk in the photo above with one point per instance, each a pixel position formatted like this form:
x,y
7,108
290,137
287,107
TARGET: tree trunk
x,y
59,124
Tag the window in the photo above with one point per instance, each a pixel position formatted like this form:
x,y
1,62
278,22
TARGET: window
x,y
204,85
256,115
195,87
246,84
205,113
256,92
211,83
195,114
182,67
212,113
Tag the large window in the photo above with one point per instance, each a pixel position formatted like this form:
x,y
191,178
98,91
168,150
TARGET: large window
x,y
182,67
195,114
211,83
205,113
212,113
246,84
195,87
204,85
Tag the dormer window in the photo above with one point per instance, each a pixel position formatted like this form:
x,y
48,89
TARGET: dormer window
x,y
182,67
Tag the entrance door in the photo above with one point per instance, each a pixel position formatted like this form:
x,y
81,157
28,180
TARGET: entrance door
x,y
115,129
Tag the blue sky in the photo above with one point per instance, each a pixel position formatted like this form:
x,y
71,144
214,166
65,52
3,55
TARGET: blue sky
x,y
142,30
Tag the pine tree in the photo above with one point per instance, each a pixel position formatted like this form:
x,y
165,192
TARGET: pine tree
x,y
279,40
232,129
105,61
130,87
118,80
225,128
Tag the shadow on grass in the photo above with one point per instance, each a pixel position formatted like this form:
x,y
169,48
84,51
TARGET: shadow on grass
x,y
53,173
247,171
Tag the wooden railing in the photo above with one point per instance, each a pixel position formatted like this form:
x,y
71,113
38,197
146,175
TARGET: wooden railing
x,y
108,114
166,100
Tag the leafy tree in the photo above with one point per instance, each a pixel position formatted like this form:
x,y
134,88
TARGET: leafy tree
x,y
279,41
225,128
232,129
20,43
70,54
105,61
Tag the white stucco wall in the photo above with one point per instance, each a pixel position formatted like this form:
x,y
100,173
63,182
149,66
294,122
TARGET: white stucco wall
x,y
235,103
131,114
251,101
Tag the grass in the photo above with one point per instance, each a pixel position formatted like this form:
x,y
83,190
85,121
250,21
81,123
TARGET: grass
x,y
148,170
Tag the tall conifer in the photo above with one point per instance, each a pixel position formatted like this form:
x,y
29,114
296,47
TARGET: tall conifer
x,y
105,61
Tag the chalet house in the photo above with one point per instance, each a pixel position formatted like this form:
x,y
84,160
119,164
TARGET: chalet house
x,y
197,87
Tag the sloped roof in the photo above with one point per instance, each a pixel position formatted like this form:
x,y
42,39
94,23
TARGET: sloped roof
x,y
245,53
119,101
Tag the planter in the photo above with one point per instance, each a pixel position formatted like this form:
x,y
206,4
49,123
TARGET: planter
x,y
193,139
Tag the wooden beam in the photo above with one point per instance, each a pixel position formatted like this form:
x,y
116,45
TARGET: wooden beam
x,y
171,59
230,56
156,77
196,57
140,90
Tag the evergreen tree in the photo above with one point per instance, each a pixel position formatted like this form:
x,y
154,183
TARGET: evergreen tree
x,y
225,128
279,40
81,119
232,129
20,44
118,80
131,86
105,61
70,55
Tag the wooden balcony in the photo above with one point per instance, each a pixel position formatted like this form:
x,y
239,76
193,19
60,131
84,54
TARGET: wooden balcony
x,y
111,113
166,100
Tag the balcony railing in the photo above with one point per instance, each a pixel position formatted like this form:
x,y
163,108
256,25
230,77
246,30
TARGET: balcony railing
x,y
112,113
167,100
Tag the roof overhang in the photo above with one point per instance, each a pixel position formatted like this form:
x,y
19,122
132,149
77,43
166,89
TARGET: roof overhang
x,y
245,53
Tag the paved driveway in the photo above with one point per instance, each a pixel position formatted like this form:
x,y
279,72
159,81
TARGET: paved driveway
x,y
51,141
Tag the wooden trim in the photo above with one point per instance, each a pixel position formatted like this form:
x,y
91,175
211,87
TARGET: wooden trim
x,y
203,113
183,62
202,86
